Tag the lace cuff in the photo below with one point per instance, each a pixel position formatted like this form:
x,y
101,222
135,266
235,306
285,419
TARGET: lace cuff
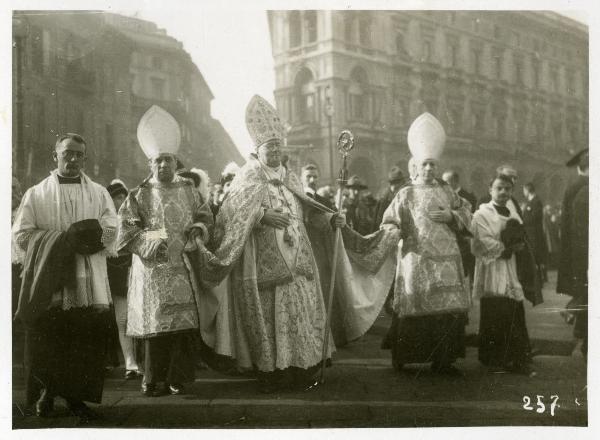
x,y
22,239
108,235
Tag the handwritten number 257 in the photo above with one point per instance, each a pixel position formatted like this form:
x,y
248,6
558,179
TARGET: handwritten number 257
x,y
541,407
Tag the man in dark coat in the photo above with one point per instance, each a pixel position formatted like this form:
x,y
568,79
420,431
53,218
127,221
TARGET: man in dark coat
x,y
573,263
396,180
359,212
533,221
310,176
452,178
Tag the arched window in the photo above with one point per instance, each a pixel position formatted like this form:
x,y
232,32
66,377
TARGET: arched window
x,y
358,98
310,24
305,97
295,28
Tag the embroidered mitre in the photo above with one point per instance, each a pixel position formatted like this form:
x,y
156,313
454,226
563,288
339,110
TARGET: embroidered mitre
x,y
158,133
263,122
426,138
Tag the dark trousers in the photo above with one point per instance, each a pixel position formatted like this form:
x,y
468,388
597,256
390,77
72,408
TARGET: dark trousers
x,y
169,358
64,354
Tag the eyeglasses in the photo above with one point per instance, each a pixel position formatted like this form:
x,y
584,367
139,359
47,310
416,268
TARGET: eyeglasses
x,y
70,154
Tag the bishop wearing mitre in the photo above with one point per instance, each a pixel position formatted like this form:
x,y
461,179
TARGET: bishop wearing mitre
x,y
263,280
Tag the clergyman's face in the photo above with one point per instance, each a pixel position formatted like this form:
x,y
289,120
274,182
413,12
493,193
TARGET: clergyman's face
x,y
501,192
309,178
70,157
427,170
163,167
269,153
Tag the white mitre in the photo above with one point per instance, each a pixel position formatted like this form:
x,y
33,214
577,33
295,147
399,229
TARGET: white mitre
x,y
158,133
426,138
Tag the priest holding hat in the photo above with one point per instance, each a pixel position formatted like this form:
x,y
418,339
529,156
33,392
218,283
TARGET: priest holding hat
x,y
64,230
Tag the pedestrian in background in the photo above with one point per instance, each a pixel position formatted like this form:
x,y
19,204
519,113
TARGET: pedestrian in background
x,y
552,234
533,221
574,243
396,180
359,211
118,278
309,178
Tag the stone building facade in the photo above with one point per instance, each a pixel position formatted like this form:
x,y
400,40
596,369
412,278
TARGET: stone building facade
x,y
509,87
95,74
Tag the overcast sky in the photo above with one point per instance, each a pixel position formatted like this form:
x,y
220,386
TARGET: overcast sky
x,y
232,49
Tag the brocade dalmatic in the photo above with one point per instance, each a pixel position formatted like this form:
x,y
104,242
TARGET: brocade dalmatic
x,y
429,276
160,296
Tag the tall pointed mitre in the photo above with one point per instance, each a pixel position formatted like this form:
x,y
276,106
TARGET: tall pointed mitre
x,y
426,137
158,133
263,122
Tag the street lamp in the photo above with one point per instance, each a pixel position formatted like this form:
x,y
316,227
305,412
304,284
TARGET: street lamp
x,y
329,114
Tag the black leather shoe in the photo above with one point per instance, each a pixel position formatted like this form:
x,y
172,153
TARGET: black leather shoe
x,y
45,404
81,410
176,388
148,389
